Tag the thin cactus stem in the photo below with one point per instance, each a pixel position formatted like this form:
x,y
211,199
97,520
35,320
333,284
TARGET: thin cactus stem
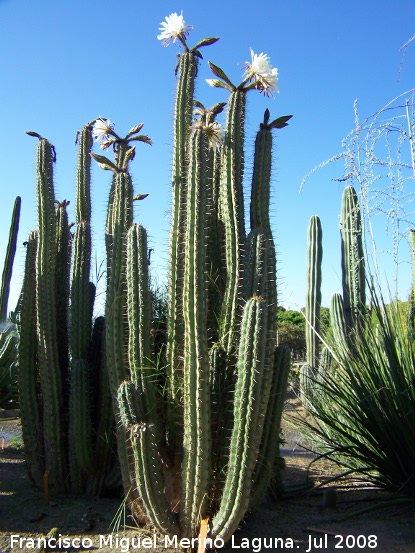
x,y
81,312
338,323
145,459
313,294
232,213
8,262
139,302
175,343
63,259
246,433
50,376
353,264
121,206
196,393
266,469
28,372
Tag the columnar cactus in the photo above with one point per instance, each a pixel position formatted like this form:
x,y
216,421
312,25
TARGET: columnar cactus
x,y
67,428
8,262
313,300
353,263
8,328
197,437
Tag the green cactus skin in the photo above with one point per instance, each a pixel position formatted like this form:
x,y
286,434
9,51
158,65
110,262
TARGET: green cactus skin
x,y
121,206
80,413
222,386
216,271
50,376
8,262
247,429
256,265
139,303
261,179
142,375
28,371
308,376
182,121
81,313
196,392
313,297
266,471
147,474
353,265
81,316
63,264
411,311
338,322
102,414
260,275
115,310
83,175
324,367
232,214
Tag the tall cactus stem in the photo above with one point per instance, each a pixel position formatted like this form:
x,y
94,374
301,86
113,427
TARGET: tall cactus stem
x,y
313,292
232,213
196,393
8,262
28,372
266,470
246,433
182,122
50,376
353,264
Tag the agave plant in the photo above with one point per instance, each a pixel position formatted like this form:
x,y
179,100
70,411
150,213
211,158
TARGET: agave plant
x,y
366,413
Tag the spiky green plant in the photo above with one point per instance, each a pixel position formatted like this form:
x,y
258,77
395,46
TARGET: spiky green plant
x,y
366,414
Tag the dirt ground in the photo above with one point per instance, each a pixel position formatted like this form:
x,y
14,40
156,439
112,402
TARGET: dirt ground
x,y
319,521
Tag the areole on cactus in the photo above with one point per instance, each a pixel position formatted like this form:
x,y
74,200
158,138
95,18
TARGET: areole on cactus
x,y
197,436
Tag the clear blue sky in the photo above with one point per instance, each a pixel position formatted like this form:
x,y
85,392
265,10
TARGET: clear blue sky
x,y
65,63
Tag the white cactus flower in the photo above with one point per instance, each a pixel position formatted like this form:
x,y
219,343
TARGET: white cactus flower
x,y
101,132
215,134
261,72
173,28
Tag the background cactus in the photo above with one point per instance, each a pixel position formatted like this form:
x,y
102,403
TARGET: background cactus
x,y
9,258
347,310
313,299
8,328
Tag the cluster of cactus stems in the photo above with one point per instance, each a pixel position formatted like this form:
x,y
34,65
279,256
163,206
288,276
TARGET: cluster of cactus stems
x,y
347,309
198,433
65,401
